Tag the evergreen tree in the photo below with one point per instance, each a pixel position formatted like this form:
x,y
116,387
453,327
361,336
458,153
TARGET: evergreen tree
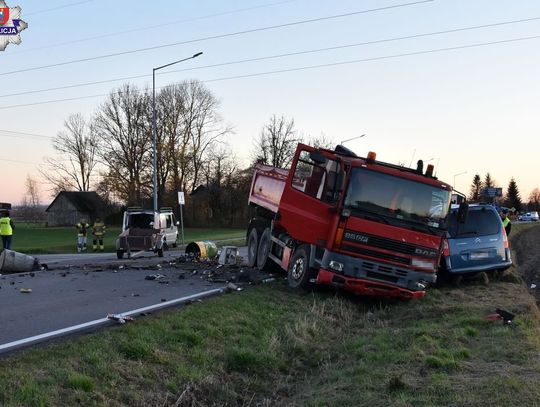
x,y
513,200
488,182
477,186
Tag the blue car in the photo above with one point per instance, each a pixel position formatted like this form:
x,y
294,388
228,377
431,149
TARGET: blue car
x,y
475,243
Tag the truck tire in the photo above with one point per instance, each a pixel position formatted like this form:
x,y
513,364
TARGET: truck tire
x,y
253,247
299,272
264,262
120,254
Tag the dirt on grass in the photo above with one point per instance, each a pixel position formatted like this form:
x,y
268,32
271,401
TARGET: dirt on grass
x,y
526,246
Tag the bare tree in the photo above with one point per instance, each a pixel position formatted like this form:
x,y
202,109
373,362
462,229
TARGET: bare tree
x,y
277,142
75,165
124,133
31,197
321,141
205,125
534,200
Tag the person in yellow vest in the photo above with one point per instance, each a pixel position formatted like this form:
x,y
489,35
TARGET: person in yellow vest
x,y
82,231
98,231
506,221
6,229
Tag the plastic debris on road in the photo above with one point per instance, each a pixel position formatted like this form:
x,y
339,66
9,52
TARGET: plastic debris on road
x,y
121,319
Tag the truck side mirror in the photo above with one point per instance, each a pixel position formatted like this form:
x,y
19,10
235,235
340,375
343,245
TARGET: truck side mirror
x,y
317,157
463,211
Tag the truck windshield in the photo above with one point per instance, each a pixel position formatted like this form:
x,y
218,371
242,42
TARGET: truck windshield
x,y
396,200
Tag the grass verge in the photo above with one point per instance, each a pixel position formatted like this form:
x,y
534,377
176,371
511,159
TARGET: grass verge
x,y
274,346
33,239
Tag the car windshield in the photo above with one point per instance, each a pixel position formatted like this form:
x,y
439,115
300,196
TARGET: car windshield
x,y
397,200
483,222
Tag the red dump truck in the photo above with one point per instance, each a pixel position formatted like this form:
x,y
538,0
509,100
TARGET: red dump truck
x,y
334,218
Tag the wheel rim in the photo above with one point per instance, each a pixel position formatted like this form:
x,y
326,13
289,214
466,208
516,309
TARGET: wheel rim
x,y
298,269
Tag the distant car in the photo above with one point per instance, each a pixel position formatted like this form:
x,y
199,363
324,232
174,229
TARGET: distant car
x,y
479,244
529,216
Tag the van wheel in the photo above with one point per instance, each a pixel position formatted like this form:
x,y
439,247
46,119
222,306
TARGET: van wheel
x,y
299,272
264,262
120,254
253,245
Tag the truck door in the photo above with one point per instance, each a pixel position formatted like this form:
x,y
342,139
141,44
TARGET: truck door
x,y
310,194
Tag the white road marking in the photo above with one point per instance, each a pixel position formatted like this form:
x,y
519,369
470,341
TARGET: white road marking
x,y
75,328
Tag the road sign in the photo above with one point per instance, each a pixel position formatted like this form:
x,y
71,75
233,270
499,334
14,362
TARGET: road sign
x,y
493,192
181,199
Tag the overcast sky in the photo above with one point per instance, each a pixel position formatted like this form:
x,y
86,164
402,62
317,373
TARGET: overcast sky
x,y
473,108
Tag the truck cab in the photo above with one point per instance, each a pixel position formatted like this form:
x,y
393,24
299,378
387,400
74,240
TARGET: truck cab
x,y
367,226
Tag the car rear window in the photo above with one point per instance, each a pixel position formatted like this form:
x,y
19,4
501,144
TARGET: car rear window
x,y
481,222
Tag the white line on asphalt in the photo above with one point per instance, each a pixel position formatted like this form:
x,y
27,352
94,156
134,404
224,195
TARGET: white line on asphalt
x,y
75,328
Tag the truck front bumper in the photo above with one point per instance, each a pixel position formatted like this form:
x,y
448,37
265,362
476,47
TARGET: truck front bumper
x,y
369,277
365,287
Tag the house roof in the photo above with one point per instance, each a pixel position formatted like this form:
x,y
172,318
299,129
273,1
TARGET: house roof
x,y
83,201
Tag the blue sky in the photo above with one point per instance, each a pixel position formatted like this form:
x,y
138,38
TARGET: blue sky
x,y
473,109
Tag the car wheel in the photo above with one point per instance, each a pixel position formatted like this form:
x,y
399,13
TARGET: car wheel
x,y
120,254
299,272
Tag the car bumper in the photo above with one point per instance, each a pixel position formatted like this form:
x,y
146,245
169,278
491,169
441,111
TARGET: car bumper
x,y
477,269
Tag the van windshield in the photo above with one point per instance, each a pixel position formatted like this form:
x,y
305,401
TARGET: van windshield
x,y
483,222
397,200
140,220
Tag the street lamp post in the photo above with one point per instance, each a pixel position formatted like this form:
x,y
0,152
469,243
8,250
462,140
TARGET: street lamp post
x,y
350,139
455,175
154,131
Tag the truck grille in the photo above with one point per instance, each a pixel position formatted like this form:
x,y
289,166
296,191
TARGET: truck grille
x,y
372,253
388,244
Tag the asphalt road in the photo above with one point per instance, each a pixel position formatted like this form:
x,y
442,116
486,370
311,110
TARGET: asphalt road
x,y
79,288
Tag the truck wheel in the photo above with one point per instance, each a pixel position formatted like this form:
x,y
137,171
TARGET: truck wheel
x,y
299,273
264,262
120,254
253,245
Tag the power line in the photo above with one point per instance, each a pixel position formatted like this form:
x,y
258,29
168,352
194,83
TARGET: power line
x,y
20,133
151,27
17,161
59,7
454,30
236,33
355,61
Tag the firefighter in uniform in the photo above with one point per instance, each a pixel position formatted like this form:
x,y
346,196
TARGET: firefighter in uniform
x,y
82,230
98,231
6,229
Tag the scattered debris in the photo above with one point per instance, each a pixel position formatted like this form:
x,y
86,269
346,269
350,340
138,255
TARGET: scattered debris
x,y
228,255
500,314
25,290
154,276
533,286
15,262
233,287
121,319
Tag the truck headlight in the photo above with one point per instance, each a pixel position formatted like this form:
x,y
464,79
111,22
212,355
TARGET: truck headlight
x,y
423,264
336,266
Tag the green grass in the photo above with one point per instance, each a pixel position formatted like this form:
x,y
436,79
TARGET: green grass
x,y
30,238
271,345
274,346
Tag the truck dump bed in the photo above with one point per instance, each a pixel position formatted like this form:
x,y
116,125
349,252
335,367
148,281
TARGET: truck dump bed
x,y
267,186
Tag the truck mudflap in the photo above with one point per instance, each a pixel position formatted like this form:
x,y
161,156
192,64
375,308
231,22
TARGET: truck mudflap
x,y
365,287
